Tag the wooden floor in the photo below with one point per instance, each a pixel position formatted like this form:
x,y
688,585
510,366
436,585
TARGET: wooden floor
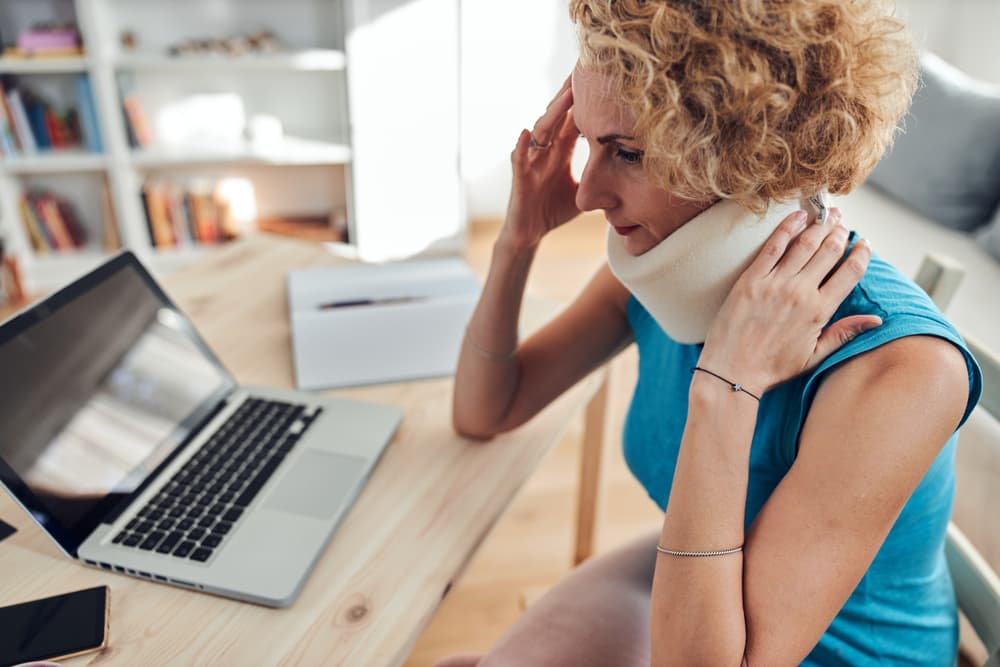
x,y
529,549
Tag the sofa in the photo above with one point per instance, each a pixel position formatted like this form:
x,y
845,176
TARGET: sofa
x,y
938,191
904,237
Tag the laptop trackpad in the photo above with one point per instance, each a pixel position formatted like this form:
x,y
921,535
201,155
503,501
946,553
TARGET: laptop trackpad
x,y
317,484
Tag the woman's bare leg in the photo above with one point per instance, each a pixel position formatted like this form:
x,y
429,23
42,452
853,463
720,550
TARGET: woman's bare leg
x,y
597,615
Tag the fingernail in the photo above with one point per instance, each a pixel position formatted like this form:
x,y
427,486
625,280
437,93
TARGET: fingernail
x,y
864,241
868,326
800,218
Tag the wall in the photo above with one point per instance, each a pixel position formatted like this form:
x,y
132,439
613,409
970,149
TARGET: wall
x,y
963,32
515,54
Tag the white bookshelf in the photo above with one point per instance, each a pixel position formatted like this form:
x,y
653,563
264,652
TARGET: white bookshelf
x,y
307,60
43,66
56,162
350,77
288,152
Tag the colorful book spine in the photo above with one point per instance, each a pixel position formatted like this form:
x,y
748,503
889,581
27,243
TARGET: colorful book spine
x,y
39,240
8,142
140,134
72,224
88,115
59,135
23,127
159,216
51,218
36,116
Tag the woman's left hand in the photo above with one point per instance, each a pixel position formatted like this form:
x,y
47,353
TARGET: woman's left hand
x,y
771,326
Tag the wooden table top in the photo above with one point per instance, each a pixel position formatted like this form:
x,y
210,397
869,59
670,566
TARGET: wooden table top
x,y
431,501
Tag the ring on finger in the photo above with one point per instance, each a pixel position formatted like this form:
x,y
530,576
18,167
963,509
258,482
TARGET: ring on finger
x,y
537,145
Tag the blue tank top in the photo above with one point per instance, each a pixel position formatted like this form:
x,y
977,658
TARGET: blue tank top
x,y
903,611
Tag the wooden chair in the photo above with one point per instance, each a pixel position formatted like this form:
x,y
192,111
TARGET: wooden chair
x,y
977,586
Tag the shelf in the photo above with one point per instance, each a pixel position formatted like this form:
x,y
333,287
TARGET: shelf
x,y
43,65
290,152
54,162
320,60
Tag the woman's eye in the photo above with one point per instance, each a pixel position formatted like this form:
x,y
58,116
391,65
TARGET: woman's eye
x,y
628,156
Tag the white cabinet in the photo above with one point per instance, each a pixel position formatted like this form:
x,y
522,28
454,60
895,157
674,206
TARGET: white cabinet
x,y
353,115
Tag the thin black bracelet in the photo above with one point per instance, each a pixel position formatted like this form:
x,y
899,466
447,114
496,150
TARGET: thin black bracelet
x,y
735,386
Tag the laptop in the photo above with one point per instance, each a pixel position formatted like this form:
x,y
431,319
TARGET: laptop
x,y
136,451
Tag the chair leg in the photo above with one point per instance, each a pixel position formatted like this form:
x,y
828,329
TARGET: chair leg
x,y
591,464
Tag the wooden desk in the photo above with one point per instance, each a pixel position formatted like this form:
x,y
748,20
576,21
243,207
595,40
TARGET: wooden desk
x,y
431,501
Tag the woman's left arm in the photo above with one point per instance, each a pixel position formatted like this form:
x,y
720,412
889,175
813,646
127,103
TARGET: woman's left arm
x,y
875,426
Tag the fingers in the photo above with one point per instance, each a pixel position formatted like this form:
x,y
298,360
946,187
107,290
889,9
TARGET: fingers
x,y
548,125
827,256
816,247
521,148
840,333
569,131
848,274
777,243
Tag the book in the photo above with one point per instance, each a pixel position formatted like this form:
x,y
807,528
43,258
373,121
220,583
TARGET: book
x,y
204,212
36,117
55,125
67,215
8,141
48,211
159,216
139,132
23,128
89,127
39,238
47,39
365,324
177,216
110,238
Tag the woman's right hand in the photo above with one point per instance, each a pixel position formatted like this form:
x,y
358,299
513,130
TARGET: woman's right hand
x,y
543,191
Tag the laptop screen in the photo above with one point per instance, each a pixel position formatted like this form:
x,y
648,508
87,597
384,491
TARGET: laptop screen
x,y
99,385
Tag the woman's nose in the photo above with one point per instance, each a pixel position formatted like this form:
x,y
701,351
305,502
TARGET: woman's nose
x,y
594,191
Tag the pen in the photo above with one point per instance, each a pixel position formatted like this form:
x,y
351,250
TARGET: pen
x,y
387,301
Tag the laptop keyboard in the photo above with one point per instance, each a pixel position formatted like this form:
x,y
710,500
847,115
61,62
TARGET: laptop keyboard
x,y
195,511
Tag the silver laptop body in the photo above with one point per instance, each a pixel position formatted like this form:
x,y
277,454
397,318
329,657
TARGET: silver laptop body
x,y
136,451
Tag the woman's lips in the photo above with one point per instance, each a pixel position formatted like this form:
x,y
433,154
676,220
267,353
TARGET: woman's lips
x,y
626,230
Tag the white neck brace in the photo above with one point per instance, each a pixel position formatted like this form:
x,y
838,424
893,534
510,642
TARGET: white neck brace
x,y
684,280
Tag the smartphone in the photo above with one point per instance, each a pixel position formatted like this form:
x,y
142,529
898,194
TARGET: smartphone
x,y
61,626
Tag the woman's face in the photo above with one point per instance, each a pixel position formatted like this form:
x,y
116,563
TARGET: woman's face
x,y
613,179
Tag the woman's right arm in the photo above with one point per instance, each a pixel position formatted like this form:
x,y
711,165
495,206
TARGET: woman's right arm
x,y
497,392
500,384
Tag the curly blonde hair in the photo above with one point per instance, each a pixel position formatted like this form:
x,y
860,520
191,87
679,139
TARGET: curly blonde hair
x,y
753,100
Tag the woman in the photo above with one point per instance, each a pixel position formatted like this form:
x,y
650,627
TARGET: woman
x,y
797,399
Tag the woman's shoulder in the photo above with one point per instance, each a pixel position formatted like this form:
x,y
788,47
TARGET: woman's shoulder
x,y
915,338
886,291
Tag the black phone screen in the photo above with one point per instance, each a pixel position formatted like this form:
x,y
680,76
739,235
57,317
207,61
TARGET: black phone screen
x,y
54,627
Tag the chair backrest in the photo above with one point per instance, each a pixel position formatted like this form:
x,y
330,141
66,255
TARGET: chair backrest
x,y
977,586
977,589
